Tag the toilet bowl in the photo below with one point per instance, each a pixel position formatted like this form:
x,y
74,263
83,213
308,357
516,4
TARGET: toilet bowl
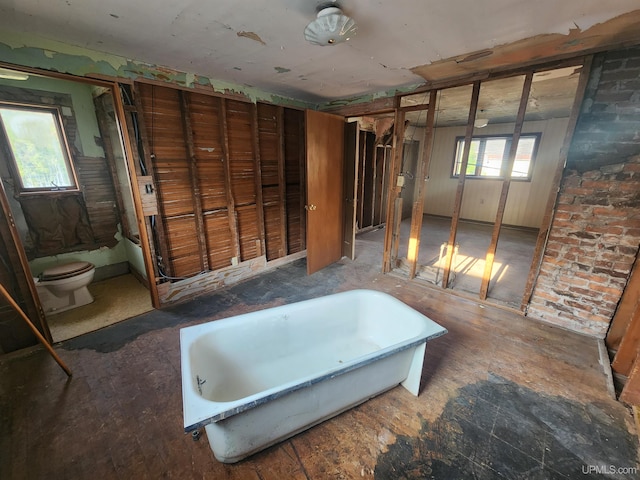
x,y
64,287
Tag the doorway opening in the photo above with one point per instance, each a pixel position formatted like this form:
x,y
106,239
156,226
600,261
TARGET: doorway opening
x,y
369,154
84,214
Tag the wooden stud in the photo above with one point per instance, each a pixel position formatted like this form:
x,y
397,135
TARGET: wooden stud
x,y
395,240
628,350
416,108
624,312
362,153
195,181
282,182
379,189
158,226
394,190
455,218
144,225
373,186
231,209
506,183
302,161
547,219
418,203
388,155
631,391
257,176
381,185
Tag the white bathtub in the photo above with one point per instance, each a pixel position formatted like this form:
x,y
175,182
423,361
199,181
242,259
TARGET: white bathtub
x,y
259,378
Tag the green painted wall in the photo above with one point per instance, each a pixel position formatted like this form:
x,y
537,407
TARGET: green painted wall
x,y
367,98
37,52
83,108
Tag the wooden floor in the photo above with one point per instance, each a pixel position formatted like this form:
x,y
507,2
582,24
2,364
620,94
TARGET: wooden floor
x,y
504,397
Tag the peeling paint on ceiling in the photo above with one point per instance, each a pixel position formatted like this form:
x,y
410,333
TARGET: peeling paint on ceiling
x,y
252,36
207,39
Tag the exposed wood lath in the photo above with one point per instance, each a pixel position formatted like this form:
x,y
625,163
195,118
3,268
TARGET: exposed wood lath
x,y
104,110
294,170
270,122
96,181
228,180
170,163
197,203
373,179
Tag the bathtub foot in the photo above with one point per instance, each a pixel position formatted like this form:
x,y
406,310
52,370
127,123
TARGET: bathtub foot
x,y
195,435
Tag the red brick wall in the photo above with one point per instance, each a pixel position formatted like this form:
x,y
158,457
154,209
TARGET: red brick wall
x,y
595,233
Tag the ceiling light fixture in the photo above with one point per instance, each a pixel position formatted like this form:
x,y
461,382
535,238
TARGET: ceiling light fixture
x,y
481,121
330,27
12,74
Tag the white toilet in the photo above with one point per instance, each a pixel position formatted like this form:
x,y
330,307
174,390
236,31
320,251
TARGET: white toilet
x,y
64,287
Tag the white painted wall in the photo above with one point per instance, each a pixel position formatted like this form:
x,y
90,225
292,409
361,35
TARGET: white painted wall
x,y
100,257
124,251
527,200
135,257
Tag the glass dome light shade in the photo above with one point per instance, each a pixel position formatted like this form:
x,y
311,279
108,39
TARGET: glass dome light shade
x,y
330,27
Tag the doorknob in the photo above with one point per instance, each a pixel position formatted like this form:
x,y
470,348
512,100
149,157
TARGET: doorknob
x,y
310,207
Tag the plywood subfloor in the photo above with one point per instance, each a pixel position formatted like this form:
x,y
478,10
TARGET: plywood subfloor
x,y
510,269
504,397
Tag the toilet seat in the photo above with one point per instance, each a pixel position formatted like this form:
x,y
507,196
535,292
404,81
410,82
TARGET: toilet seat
x,y
69,270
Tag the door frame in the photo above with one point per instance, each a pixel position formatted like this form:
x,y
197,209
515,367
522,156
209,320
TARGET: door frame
x,y
114,88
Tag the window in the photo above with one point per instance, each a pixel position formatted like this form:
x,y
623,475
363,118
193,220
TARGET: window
x,y
38,148
489,155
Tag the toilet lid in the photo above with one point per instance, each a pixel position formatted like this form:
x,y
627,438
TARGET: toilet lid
x,y
65,271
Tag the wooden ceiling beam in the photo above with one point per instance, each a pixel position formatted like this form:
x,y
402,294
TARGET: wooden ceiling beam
x,y
619,32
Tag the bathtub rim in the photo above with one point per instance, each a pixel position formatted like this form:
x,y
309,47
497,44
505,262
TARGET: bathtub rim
x,y
217,411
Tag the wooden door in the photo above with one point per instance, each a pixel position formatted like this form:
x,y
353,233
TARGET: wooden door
x,y
325,159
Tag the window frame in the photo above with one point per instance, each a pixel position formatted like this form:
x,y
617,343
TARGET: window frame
x,y
505,158
56,113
